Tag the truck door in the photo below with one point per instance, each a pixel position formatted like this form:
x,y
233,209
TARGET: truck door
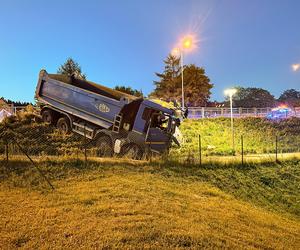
x,y
157,136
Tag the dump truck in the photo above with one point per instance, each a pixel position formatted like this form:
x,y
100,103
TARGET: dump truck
x,y
117,122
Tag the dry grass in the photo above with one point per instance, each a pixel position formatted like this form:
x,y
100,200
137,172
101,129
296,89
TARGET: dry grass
x,y
132,205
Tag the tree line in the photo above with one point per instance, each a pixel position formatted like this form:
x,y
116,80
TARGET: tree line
x,y
197,87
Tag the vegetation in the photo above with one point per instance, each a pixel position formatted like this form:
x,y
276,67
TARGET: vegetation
x,y
15,103
291,97
71,68
253,97
119,203
259,136
130,91
122,204
197,84
35,137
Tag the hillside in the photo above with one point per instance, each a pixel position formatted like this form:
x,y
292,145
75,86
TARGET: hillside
x,y
127,204
259,135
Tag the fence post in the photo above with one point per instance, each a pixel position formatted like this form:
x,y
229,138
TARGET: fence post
x,y
150,152
276,148
200,151
85,154
242,144
6,151
202,112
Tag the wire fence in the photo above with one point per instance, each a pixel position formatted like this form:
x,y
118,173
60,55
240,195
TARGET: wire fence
x,y
244,148
42,140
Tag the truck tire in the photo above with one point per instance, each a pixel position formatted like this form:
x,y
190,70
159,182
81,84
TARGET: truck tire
x,y
104,146
64,125
132,151
47,116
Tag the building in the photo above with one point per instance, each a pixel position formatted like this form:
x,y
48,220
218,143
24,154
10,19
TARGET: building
x,y
5,106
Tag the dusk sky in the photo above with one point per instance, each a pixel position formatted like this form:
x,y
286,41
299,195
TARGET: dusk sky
x,y
240,42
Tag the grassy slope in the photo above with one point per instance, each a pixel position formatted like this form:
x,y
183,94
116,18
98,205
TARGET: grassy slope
x,y
259,135
134,205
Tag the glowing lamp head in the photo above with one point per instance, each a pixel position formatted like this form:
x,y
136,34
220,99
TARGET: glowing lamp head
x,y
230,92
296,67
187,42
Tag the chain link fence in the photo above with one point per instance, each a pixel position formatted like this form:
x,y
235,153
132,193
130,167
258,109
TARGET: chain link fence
x,y
38,140
244,148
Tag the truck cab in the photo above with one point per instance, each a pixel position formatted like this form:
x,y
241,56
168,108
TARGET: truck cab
x,y
157,124
148,127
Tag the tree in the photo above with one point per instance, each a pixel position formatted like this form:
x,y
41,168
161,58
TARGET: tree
x,y
129,90
290,97
196,84
169,79
253,97
15,103
71,67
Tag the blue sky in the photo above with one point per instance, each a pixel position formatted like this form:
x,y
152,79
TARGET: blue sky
x,y
241,42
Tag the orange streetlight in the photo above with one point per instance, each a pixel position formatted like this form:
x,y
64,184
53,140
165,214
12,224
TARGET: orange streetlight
x,y
296,67
187,42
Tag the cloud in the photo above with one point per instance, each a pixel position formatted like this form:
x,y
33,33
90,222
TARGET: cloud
x,y
296,67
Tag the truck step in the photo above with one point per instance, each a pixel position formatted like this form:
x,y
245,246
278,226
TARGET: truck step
x,y
117,123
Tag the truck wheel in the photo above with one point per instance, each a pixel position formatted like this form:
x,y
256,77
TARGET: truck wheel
x,y
47,116
104,146
132,151
63,124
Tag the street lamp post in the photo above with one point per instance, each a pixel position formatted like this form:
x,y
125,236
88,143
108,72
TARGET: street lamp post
x,y
186,44
230,93
182,90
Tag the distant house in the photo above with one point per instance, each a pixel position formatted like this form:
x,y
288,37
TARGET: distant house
x,y
5,106
4,114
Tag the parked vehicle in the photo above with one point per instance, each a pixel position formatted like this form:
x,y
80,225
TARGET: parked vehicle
x,y
280,112
119,123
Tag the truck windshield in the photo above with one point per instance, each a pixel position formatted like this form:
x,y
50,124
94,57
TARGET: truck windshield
x,y
156,119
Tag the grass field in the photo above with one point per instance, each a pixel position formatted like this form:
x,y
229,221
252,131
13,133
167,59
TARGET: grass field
x,y
128,204
259,136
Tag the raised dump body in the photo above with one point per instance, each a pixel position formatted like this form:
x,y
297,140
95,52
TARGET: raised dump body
x,y
128,123
94,103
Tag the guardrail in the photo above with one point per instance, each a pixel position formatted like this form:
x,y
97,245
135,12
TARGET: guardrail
x,y
210,112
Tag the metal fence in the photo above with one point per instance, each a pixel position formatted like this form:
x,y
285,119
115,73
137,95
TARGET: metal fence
x,y
40,141
12,109
198,149
206,112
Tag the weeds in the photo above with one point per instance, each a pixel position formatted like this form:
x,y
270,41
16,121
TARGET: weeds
x,y
128,204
